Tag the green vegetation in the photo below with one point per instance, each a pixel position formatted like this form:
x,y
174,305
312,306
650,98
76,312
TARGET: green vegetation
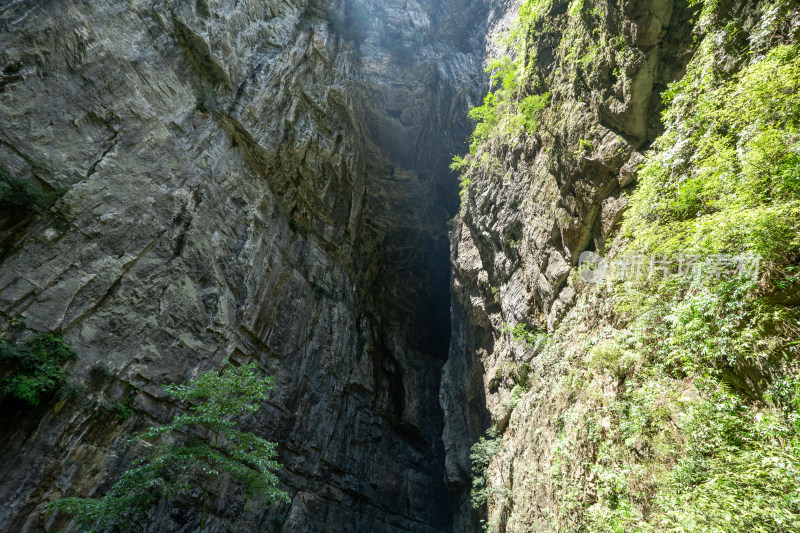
x,y
459,164
33,370
516,373
520,94
691,442
683,416
726,177
672,457
120,408
521,334
505,112
584,147
607,357
741,470
509,108
463,186
190,452
480,456
18,196
508,405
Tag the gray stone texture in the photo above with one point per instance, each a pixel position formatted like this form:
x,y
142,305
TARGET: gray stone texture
x,y
524,220
262,180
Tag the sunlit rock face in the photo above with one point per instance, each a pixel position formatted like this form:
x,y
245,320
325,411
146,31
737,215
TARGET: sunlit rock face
x,y
254,180
521,229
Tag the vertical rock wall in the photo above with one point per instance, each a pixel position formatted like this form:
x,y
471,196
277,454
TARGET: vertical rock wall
x,y
602,398
252,180
526,217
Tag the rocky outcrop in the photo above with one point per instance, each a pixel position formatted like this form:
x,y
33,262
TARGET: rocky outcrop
x,y
257,180
612,405
528,214
268,181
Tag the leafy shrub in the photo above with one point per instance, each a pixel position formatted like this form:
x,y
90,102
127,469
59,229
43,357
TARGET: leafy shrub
x,y
459,164
35,368
530,108
584,146
485,117
507,109
741,471
18,196
677,447
674,446
521,334
608,356
480,456
195,448
726,176
122,409
722,180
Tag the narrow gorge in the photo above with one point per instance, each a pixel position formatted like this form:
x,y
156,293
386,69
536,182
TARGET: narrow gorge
x,y
253,180
387,206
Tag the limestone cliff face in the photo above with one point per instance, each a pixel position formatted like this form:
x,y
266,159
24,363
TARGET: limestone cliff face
x,y
268,181
524,222
530,206
257,180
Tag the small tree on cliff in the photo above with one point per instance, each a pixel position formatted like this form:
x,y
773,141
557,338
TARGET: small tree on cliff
x,y
195,448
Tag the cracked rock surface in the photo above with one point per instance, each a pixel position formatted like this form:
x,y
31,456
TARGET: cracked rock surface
x,y
523,223
257,180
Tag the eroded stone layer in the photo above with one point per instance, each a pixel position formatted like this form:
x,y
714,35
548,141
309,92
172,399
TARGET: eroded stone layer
x,y
254,180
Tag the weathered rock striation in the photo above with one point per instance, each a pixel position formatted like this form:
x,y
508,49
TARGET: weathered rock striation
x,y
269,181
531,205
257,180
524,223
